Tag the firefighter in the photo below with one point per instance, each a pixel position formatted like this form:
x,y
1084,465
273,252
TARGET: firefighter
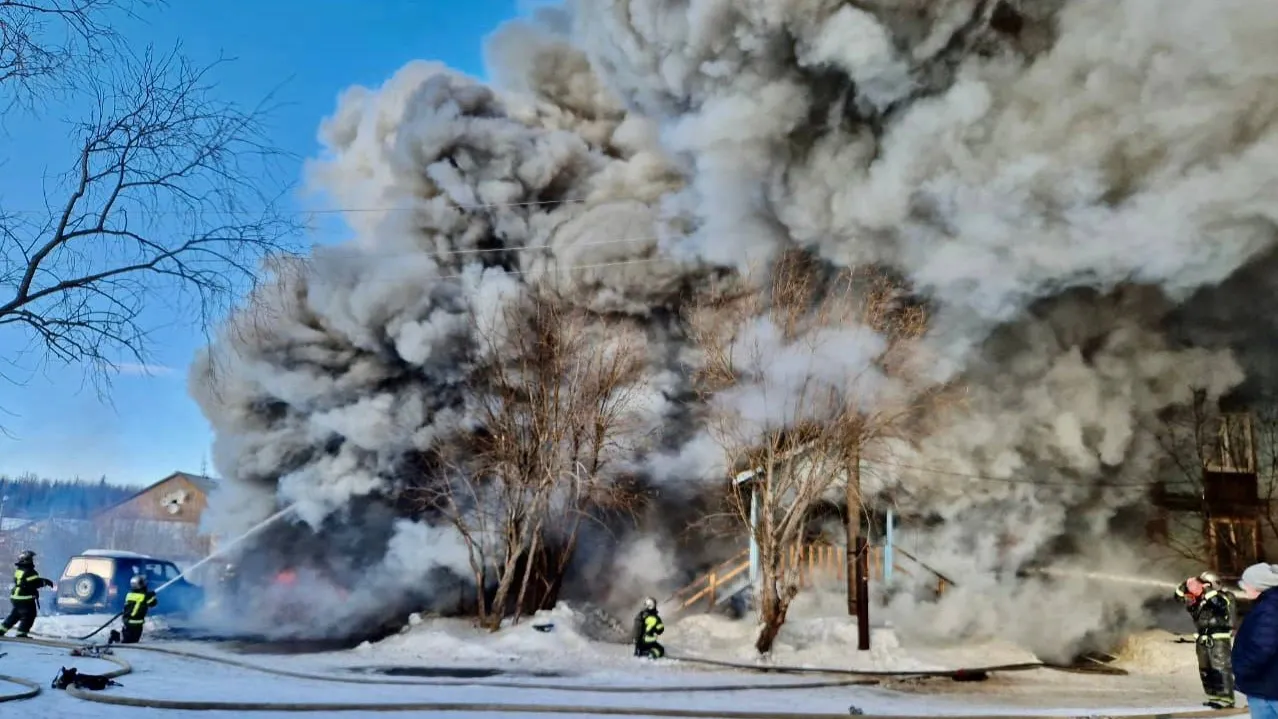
x,y
1214,612
226,586
648,627
25,596
136,603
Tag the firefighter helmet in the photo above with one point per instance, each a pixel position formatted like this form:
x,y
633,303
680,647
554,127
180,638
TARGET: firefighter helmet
x,y
1209,577
137,583
26,557
650,604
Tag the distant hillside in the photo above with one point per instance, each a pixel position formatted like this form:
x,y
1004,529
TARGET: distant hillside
x,y
32,497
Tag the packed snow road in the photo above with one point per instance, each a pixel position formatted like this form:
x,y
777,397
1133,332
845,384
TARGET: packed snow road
x,y
561,669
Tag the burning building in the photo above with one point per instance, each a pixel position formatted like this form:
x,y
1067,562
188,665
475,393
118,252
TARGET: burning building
x,y
1078,189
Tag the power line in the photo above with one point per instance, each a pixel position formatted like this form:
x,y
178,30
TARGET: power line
x,y
494,270
569,267
1014,480
359,210
517,248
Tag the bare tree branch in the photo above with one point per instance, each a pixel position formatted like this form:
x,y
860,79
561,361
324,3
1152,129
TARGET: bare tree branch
x,y
160,204
51,46
558,407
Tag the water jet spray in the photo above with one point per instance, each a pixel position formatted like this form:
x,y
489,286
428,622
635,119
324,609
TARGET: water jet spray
x,y
1102,577
222,552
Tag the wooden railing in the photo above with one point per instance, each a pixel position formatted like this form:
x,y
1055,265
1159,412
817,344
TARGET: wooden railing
x,y
942,582
812,565
707,585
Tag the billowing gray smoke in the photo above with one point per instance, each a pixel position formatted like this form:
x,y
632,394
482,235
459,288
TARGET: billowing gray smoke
x,y
1055,176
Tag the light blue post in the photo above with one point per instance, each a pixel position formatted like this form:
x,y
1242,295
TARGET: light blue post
x,y
887,546
754,543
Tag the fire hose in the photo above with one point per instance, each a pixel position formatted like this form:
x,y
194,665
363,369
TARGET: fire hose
x,y
32,689
247,706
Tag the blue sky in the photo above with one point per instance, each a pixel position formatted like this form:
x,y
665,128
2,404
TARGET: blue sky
x,y
307,51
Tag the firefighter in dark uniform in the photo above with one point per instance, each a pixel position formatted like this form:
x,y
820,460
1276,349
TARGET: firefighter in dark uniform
x,y
1214,611
648,626
136,603
25,596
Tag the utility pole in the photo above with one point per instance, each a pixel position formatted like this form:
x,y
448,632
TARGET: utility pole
x,y
863,591
858,555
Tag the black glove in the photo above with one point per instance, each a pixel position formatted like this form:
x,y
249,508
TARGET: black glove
x,y
48,582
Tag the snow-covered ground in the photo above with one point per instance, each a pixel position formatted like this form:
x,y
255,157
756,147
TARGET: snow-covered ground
x,y
1162,675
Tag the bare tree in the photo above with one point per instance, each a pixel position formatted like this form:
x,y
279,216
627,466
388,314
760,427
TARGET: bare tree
x,y
1187,440
559,408
161,204
803,379
50,46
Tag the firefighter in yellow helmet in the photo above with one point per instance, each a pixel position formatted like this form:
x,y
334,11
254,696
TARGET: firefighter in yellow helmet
x,y
136,603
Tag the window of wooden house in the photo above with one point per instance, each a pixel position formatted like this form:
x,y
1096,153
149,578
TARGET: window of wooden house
x,y
1233,449
1234,544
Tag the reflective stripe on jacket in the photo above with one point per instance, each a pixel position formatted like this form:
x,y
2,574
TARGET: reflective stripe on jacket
x,y
26,582
136,604
652,627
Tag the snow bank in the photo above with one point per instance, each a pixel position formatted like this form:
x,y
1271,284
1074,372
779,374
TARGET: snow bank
x,y
829,642
574,641
456,641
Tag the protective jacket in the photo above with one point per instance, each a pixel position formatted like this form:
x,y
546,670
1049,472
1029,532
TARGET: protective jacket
x,y
1256,649
136,605
1214,613
648,626
26,583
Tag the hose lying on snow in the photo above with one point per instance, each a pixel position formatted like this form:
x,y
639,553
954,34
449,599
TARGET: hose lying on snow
x,y
116,700
592,688
32,689
943,673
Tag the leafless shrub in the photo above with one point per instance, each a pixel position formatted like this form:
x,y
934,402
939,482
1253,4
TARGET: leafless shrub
x,y
559,406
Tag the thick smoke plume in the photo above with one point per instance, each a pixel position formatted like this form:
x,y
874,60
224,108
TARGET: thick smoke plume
x,y
1061,180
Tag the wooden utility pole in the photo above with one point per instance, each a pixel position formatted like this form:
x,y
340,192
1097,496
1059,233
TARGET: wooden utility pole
x,y
863,591
852,531
858,555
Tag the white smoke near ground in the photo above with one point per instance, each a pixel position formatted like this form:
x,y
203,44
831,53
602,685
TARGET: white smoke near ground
x,y
1084,614
648,572
1053,176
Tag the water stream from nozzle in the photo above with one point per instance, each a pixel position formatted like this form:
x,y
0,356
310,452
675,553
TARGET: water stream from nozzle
x,y
1104,577
221,552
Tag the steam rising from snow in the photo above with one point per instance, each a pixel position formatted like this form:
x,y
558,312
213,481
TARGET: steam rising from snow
x,y
1055,176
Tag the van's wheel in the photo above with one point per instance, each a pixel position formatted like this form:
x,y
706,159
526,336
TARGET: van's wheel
x,y
87,587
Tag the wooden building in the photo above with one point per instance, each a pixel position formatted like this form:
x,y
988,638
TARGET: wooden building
x,y
161,520
1219,517
179,497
